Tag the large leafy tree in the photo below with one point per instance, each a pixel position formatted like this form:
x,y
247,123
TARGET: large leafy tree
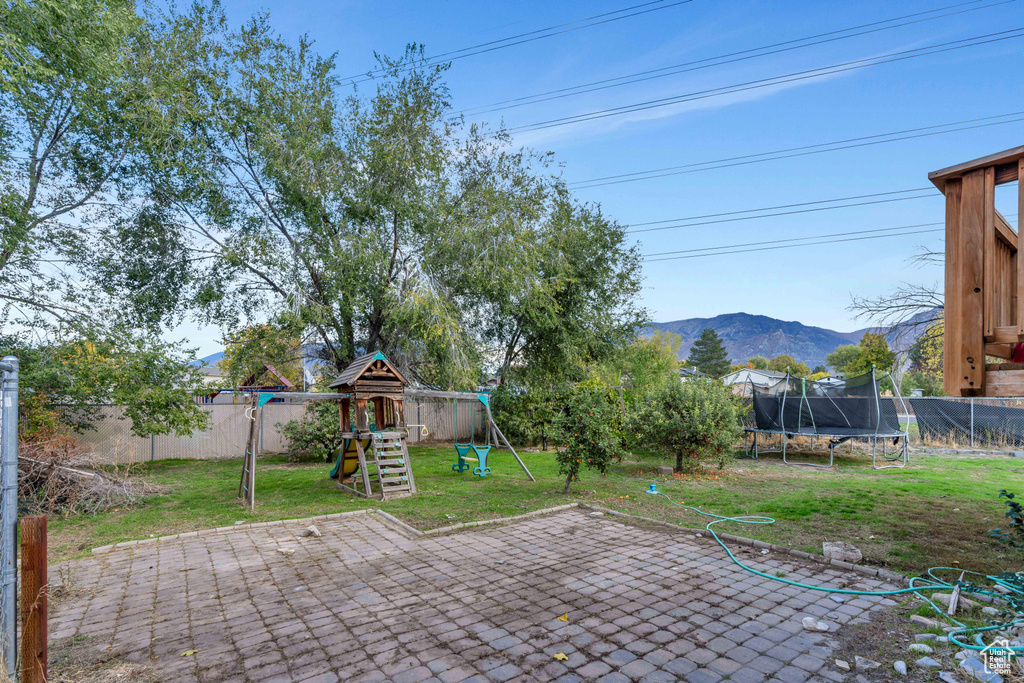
x,y
786,363
874,352
842,358
90,92
708,354
381,223
257,346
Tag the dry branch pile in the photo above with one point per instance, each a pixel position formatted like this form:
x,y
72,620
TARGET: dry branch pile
x,y
55,477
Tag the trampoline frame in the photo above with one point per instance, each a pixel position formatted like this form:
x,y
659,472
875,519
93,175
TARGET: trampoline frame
x,y
898,461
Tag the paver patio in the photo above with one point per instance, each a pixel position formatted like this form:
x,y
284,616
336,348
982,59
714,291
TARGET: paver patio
x,y
366,602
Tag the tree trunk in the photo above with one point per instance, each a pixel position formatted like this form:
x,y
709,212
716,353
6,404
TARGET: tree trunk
x,y
568,480
679,460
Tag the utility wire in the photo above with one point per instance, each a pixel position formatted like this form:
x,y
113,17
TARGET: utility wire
x,y
733,248
790,246
791,239
728,58
529,36
735,215
791,152
774,80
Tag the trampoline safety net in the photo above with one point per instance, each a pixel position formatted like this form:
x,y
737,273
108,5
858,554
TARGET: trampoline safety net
x,y
851,408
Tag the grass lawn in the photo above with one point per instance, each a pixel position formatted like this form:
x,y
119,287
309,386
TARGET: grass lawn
x,y
932,513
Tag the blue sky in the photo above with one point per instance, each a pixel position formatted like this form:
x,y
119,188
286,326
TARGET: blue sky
x,y
811,284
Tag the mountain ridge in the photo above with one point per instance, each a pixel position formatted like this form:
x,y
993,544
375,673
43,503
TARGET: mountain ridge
x,y
746,335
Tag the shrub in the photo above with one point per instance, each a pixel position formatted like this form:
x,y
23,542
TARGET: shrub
x,y
526,415
317,434
588,432
692,420
1013,536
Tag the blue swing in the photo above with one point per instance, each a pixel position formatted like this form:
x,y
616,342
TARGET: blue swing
x,y
463,449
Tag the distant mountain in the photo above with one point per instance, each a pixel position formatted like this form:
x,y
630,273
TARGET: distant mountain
x,y
208,360
746,336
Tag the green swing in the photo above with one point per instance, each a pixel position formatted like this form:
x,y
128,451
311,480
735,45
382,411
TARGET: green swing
x,y
463,449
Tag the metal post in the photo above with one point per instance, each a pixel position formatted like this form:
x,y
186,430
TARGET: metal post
x,y
152,447
972,422
9,513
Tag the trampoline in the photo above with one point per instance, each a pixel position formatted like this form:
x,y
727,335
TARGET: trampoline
x,y
839,411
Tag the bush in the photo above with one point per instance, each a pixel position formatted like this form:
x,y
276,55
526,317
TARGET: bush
x,y
317,435
526,415
692,420
588,432
1013,536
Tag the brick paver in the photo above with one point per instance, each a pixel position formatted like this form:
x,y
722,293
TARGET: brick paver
x,y
365,602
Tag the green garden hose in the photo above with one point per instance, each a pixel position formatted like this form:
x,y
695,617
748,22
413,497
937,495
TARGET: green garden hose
x,y
917,583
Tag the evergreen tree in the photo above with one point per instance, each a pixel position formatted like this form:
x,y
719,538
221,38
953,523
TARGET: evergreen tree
x,y
708,354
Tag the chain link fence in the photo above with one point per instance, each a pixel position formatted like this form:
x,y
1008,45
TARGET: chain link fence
x,y
949,421
112,441
972,422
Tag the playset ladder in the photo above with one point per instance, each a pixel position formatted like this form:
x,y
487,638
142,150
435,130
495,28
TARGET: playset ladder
x,y
390,465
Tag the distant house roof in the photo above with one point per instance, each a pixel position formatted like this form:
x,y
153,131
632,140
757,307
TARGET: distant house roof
x,y
691,372
736,375
211,369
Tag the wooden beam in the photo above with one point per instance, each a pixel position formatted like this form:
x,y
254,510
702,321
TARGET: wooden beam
x,y
1006,335
33,599
1004,351
1005,231
972,282
1007,173
1004,383
1020,256
989,249
954,296
1001,159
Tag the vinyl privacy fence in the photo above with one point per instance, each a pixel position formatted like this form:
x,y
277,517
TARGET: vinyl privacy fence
x,y
112,441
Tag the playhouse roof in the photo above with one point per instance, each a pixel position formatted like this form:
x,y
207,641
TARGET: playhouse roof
x,y
251,380
357,367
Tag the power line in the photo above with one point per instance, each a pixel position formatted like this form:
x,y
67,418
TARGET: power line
x,y
736,217
738,56
774,80
791,152
791,239
790,246
529,36
724,250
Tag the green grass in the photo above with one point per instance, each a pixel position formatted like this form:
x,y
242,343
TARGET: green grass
x,y
931,513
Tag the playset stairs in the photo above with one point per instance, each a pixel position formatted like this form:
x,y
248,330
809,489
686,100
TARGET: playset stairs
x,y
390,465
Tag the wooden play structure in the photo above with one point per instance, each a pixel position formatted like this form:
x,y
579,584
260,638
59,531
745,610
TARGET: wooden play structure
x,y
984,300
374,459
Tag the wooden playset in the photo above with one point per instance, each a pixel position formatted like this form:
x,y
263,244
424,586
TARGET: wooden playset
x,y
984,298
374,459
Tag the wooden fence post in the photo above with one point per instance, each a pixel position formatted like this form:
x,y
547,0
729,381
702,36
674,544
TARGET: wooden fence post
x,y
33,599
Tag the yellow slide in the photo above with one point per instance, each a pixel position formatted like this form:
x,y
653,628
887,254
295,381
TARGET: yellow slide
x,y
348,459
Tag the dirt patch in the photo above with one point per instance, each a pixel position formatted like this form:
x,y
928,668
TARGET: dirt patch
x,y
73,661
887,638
